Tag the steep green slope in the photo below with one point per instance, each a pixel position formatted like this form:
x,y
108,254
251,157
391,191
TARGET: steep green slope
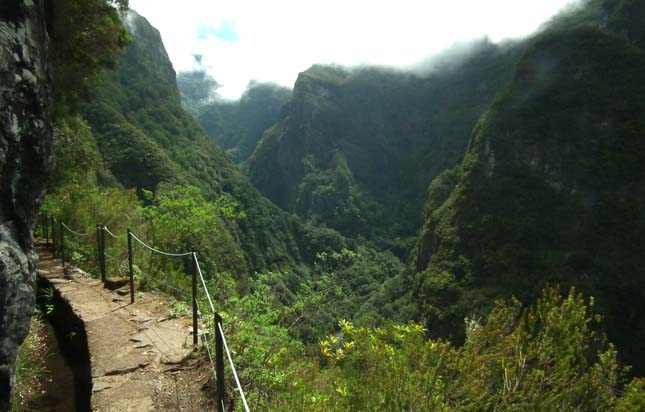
x,y
551,190
355,149
146,138
627,19
235,125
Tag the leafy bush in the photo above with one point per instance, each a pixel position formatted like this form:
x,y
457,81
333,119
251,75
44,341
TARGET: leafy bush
x,y
548,357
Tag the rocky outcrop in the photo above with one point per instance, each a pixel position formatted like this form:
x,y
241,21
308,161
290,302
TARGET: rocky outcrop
x,y
25,161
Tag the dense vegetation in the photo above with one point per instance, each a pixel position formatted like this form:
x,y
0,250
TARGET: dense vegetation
x,y
235,125
549,190
134,158
355,149
543,358
146,138
84,38
318,303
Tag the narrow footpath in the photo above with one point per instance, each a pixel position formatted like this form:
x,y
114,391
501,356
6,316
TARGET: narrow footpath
x,y
140,360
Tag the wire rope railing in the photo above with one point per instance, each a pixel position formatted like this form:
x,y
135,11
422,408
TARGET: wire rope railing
x,y
205,341
163,284
107,230
103,245
201,277
54,229
230,360
220,343
58,239
73,231
161,252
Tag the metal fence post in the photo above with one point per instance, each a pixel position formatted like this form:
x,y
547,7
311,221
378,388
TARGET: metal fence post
x,y
131,267
51,219
98,250
62,243
43,222
102,264
195,326
219,363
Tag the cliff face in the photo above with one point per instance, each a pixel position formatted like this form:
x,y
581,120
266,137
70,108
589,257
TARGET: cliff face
x,y
355,149
237,126
25,161
550,190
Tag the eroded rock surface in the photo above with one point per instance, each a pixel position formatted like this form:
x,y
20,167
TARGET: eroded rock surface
x,y
25,161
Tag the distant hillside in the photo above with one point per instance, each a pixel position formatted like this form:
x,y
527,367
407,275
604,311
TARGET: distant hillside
x,y
355,149
234,125
551,187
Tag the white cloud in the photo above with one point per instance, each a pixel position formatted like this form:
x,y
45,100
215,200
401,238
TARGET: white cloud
x,y
279,38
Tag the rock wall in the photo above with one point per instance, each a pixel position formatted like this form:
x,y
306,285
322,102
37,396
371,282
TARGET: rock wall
x,y
26,160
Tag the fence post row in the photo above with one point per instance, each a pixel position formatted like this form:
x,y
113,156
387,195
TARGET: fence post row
x,y
58,243
219,363
62,243
58,246
131,267
195,326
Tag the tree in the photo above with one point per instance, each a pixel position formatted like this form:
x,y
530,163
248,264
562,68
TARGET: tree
x,y
84,38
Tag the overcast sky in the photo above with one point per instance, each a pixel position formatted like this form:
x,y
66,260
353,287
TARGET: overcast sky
x,y
274,40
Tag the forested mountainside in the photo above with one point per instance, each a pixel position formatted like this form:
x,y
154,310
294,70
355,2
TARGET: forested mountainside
x,y
534,154
355,149
234,125
551,188
145,137
515,166
134,134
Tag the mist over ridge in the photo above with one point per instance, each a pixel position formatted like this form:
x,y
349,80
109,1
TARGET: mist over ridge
x,y
274,41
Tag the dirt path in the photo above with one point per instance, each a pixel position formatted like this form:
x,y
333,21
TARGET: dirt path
x,y
140,360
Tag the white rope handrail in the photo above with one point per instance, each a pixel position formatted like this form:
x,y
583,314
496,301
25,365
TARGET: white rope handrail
x,y
110,233
204,338
221,331
73,232
201,277
230,360
207,344
159,251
